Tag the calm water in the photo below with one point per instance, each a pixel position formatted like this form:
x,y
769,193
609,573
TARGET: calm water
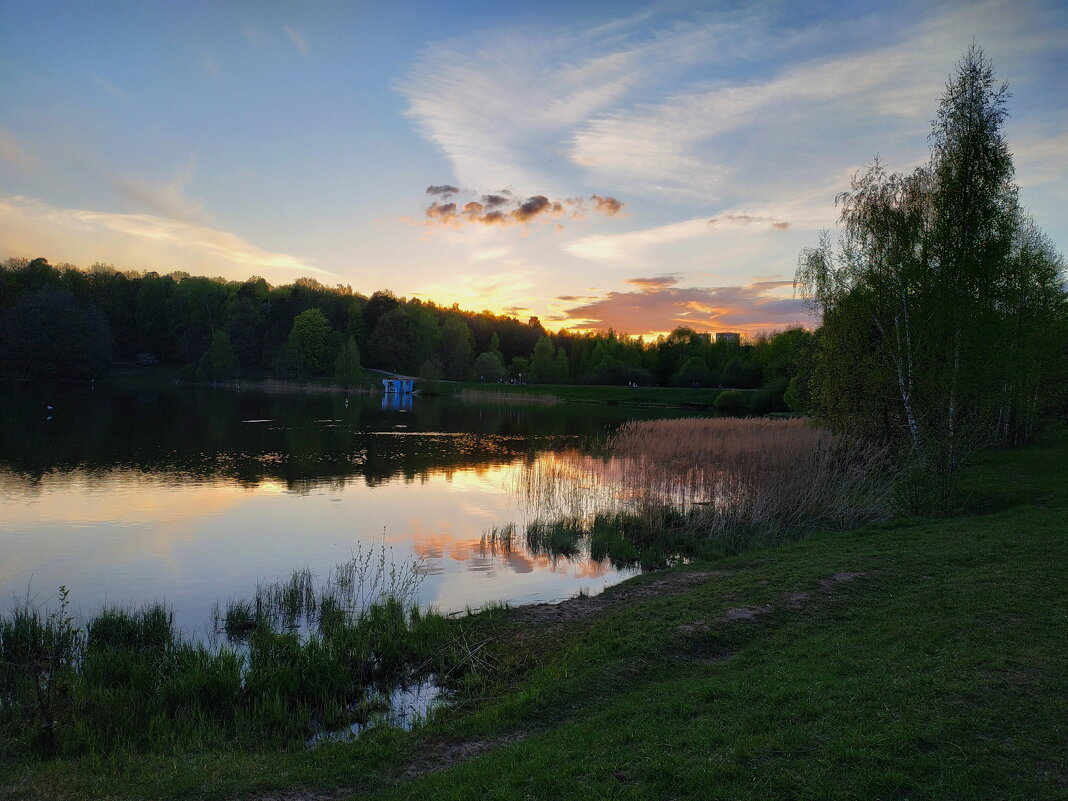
x,y
192,496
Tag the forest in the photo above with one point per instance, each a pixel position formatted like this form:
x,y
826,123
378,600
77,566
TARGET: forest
x,y
63,321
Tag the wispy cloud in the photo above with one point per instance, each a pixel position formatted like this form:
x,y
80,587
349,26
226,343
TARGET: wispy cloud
x,y
297,39
696,140
658,107
501,111
659,305
12,151
110,88
167,198
630,245
31,227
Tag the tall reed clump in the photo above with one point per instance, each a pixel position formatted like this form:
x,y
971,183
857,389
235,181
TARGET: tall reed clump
x,y
699,488
303,656
755,474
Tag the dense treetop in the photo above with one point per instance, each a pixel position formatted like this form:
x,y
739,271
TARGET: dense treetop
x,y
223,328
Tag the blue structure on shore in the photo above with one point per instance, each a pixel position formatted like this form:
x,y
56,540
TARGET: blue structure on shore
x,y
401,386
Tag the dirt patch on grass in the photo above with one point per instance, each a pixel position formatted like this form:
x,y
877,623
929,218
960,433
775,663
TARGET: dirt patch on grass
x,y
432,757
440,756
829,583
303,795
582,608
791,600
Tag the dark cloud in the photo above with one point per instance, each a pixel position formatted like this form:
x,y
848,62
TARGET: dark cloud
x,y
503,208
780,226
441,210
533,206
660,305
607,205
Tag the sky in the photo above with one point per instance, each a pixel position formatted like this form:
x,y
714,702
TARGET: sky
x,y
626,165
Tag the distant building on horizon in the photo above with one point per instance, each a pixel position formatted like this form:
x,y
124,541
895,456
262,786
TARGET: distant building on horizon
x,y
728,338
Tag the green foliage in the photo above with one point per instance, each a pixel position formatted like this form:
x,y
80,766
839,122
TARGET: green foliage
x,y
430,369
488,367
306,344
133,684
731,402
940,296
693,372
457,349
174,319
347,367
393,342
218,361
49,333
546,365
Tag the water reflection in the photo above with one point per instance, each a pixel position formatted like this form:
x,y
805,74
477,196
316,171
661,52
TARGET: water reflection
x,y
191,495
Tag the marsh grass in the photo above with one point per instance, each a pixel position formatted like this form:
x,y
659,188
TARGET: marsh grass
x,y
772,475
302,656
665,490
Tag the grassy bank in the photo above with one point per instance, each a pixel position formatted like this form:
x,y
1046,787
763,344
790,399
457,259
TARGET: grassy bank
x,y
581,393
916,659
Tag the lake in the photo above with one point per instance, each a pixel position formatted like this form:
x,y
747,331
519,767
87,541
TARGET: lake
x,y
192,495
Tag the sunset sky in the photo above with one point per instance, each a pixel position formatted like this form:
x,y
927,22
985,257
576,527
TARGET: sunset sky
x,y
618,164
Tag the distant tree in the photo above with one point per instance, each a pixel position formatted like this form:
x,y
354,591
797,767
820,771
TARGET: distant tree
x,y
347,367
379,304
457,349
730,403
488,367
545,367
426,334
218,362
430,369
741,372
307,341
519,368
611,370
693,372
391,342
49,333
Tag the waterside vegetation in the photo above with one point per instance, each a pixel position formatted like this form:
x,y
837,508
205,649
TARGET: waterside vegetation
x,y
918,658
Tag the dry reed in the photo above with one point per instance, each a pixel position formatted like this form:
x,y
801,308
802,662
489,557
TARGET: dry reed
x,y
755,473
728,475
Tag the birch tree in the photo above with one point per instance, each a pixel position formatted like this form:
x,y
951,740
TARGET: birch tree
x,y
942,281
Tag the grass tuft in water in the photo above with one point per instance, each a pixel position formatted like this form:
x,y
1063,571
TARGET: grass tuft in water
x,y
302,656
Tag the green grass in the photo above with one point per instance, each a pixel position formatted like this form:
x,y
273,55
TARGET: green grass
x,y
937,672
584,393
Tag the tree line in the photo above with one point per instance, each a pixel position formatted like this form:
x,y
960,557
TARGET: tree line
x,y
63,321
945,319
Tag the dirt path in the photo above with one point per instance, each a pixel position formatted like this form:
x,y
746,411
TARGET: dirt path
x,y
582,608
